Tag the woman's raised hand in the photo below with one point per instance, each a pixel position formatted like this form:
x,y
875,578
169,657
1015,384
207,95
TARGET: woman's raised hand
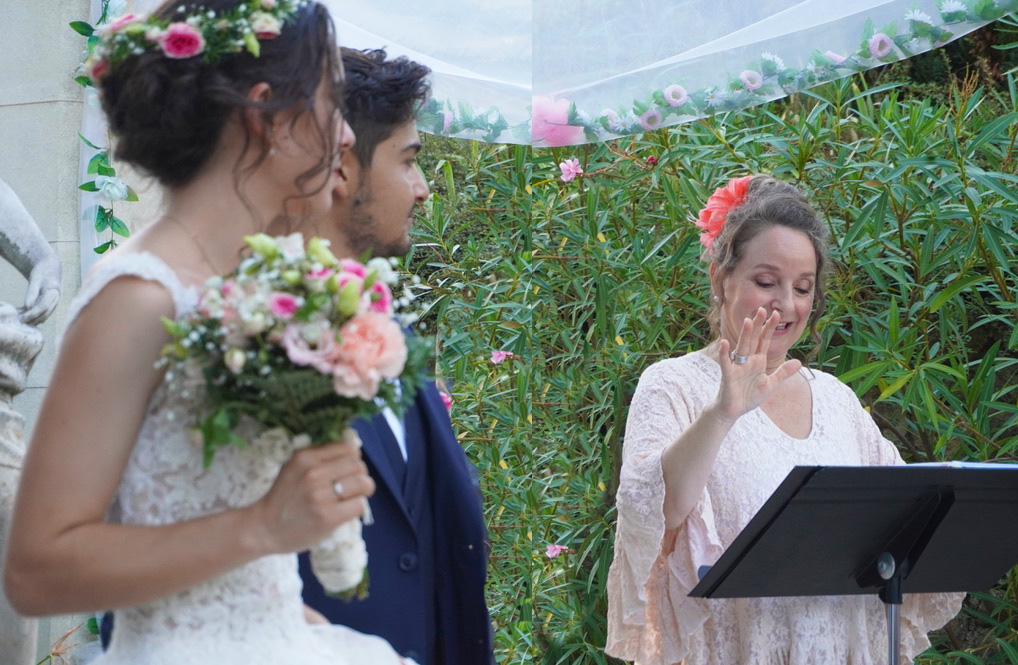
x,y
318,489
745,381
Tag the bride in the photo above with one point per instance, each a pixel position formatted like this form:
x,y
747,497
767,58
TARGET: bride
x,y
233,107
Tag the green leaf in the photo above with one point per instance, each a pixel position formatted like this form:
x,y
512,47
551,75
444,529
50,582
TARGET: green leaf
x,y
88,143
103,248
82,28
956,287
131,194
88,186
895,385
117,226
83,81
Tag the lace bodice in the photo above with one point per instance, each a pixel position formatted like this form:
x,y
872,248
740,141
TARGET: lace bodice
x,y
650,617
252,614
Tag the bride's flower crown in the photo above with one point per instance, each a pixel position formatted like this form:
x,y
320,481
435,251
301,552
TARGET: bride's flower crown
x,y
205,33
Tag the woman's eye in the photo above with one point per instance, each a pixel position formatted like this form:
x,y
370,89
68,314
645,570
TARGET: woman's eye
x,y
804,291
765,285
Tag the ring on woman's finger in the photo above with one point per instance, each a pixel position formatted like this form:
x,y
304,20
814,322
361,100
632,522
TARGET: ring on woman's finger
x,y
337,487
737,359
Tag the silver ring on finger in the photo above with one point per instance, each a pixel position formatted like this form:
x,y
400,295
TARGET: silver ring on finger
x,y
337,487
737,359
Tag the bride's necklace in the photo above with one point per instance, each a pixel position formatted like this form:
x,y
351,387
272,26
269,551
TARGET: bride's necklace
x,y
201,249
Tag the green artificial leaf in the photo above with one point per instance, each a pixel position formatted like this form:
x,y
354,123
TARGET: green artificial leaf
x,y
131,194
103,248
89,186
88,143
93,625
82,28
117,226
83,81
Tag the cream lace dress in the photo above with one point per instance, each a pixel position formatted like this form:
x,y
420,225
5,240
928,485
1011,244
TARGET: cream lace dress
x,y
652,621
252,615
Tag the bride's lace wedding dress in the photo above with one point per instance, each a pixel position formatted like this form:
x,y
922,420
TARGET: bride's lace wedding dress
x,y
252,614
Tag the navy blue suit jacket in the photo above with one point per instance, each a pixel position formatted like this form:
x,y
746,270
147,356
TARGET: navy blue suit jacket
x,y
436,613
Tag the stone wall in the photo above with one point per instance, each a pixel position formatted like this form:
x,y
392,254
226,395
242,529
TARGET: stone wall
x,y
40,116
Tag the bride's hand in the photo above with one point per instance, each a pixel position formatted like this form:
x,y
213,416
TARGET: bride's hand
x,y
318,489
747,385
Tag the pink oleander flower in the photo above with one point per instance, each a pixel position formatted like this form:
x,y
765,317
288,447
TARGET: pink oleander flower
x,y
371,349
834,57
499,357
880,45
380,297
675,95
446,121
751,79
651,119
284,305
570,169
265,26
446,399
712,217
652,160
181,40
311,344
555,550
119,23
550,123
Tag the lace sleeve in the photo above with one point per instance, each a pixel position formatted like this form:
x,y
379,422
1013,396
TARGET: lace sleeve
x,y
648,610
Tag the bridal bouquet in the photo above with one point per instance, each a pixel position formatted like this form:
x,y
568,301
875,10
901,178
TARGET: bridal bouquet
x,y
298,340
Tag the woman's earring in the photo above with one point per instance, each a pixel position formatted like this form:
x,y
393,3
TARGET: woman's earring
x,y
272,151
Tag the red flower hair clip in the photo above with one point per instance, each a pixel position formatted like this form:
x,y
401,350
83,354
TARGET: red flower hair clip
x,y
712,217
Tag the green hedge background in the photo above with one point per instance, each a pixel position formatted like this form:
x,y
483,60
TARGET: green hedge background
x,y
589,282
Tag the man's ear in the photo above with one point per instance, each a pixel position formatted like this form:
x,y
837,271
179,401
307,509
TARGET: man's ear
x,y
349,176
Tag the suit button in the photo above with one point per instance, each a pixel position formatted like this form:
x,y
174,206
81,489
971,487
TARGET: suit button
x,y
407,562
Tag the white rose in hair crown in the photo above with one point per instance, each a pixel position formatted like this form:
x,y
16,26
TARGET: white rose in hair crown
x,y
301,342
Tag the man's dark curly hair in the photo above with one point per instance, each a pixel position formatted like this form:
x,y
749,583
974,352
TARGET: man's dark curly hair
x,y
380,95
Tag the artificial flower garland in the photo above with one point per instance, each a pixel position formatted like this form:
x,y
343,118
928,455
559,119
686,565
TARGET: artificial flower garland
x,y
713,215
205,33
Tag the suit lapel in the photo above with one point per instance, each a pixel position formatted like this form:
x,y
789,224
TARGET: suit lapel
x,y
379,461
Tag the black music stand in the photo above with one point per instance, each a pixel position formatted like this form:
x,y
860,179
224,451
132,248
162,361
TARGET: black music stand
x,y
832,531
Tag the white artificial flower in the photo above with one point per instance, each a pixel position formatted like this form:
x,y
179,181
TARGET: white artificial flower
x,y
111,188
918,16
778,62
952,6
383,269
714,97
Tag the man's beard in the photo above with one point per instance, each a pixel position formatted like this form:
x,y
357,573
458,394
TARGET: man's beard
x,y
361,232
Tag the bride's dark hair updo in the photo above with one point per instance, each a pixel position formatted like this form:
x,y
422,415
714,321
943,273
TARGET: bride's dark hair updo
x,y
168,114
769,202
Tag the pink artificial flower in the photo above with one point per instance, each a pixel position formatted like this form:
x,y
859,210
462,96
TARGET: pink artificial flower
x,y
555,550
96,68
315,280
371,348
446,399
283,305
120,23
355,267
268,4
834,57
446,121
181,40
751,79
651,119
675,95
319,351
652,160
550,123
880,45
712,217
570,169
381,298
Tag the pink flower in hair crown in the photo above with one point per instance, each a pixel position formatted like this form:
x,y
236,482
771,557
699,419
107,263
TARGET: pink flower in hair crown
x,y
181,40
712,217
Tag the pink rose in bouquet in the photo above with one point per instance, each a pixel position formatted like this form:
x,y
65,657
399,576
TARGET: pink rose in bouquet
x,y
371,349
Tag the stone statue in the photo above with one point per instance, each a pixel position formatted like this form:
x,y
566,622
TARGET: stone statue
x,y
23,246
